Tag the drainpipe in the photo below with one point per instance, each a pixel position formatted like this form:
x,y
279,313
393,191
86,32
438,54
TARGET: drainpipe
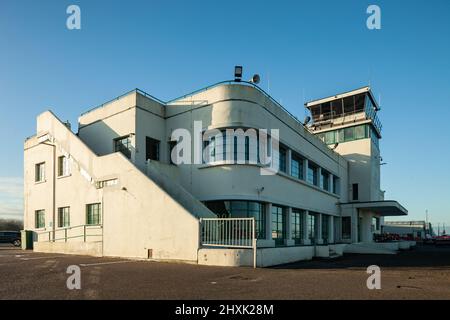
x,y
54,164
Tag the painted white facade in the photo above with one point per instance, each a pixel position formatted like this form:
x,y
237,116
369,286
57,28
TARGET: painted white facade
x,y
150,209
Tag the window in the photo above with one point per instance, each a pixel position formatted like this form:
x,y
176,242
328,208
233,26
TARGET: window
x,y
346,227
39,219
172,145
278,224
349,104
336,185
39,172
324,180
297,217
282,159
241,209
63,166
349,134
311,226
63,217
330,137
359,102
337,108
355,191
93,212
123,144
151,149
312,173
296,167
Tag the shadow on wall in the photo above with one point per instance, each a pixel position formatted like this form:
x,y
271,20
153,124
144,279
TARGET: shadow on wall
x,y
101,138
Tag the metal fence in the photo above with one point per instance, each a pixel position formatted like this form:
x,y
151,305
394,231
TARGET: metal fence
x,y
91,233
229,233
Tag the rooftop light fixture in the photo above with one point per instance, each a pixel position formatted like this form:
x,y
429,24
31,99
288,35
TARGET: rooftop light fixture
x,y
237,73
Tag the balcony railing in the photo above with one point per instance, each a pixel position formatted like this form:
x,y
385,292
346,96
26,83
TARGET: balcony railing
x,y
368,114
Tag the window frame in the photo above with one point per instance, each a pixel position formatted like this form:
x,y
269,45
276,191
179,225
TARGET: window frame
x,y
63,166
124,149
39,219
92,221
149,141
63,217
39,175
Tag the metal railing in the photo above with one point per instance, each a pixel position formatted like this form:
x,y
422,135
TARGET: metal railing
x,y
229,233
367,113
67,233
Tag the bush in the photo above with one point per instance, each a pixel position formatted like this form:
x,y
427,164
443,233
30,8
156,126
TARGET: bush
x,y
11,225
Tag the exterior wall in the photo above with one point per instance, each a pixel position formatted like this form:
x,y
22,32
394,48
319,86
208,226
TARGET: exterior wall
x,y
359,154
98,128
135,211
245,107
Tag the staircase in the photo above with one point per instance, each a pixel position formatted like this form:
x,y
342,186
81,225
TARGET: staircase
x,y
333,254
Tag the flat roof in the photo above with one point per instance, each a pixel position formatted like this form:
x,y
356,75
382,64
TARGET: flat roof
x,y
383,208
365,89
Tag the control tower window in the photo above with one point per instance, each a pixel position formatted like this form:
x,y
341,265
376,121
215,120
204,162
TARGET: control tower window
x,y
349,104
359,102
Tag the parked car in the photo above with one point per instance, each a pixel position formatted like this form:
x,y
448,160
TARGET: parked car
x,y
12,237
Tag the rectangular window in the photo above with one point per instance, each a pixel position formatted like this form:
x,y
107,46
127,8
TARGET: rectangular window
x,y
311,225
151,149
337,108
172,158
39,172
63,166
278,224
349,104
355,191
282,153
324,180
349,134
360,132
312,173
346,228
330,137
297,225
93,213
63,217
296,166
336,185
123,144
39,219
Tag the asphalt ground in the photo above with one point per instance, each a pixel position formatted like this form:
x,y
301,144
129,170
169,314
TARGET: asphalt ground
x,y
420,273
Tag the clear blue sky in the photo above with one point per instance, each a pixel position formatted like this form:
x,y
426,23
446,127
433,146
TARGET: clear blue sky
x,y
308,49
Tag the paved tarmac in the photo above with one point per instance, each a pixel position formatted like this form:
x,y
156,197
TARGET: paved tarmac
x,y
420,273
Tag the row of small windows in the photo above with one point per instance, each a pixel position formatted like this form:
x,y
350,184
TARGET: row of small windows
x,y
280,157
63,169
349,134
93,216
254,209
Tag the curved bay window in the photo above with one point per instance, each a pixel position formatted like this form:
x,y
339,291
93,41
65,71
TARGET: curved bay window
x,y
240,209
